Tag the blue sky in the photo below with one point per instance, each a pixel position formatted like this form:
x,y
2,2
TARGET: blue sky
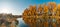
x,y
18,6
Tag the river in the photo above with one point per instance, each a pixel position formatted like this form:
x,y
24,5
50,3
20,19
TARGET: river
x,y
21,23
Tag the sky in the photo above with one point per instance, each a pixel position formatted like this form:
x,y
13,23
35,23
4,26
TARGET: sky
x,y
17,7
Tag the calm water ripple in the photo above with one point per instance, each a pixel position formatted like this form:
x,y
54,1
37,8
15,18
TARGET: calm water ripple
x,y
21,23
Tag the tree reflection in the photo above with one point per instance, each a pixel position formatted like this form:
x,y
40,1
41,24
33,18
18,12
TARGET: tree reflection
x,y
45,15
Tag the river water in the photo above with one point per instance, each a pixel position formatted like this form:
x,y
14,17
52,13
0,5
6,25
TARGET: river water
x,y
21,23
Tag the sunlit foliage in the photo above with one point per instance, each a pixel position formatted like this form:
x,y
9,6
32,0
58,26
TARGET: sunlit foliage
x,y
42,14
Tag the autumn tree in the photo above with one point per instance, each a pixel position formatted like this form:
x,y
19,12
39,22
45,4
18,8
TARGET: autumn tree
x,y
40,9
58,9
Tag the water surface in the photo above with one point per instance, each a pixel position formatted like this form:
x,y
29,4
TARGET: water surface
x,y
21,23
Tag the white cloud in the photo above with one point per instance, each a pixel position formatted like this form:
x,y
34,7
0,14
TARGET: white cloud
x,y
9,7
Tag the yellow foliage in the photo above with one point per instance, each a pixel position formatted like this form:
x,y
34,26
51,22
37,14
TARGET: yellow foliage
x,y
33,11
45,9
34,6
55,9
30,7
40,8
52,4
25,12
58,6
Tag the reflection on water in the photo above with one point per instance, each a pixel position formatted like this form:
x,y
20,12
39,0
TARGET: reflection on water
x,y
21,23
38,22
